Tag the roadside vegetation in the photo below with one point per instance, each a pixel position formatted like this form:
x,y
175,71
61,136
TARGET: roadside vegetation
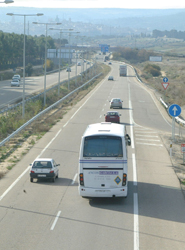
x,y
152,73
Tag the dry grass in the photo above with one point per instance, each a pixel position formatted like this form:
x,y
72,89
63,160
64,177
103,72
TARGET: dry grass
x,y
174,69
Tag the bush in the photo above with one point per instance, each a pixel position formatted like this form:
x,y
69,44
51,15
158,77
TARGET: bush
x,y
29,69
153,69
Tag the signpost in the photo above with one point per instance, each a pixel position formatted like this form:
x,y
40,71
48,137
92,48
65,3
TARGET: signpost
x,y
165,84
183,151
104,47
174,111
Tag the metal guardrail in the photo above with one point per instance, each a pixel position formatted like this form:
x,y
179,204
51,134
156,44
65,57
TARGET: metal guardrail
x,y
44,111
177,119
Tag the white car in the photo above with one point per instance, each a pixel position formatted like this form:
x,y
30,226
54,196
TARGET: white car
x,y
68,69
16,77
116,103
15,82
44,168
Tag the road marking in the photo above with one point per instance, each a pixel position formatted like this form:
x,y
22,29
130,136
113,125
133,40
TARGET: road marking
x,y
136,223
150,144
74,179
55,221
131,120
140,139
148,135
134,169
144,132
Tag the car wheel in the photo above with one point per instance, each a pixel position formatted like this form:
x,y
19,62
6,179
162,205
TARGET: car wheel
x,y
31,179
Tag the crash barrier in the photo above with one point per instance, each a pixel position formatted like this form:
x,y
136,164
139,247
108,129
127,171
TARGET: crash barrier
x,y
45,111
178,119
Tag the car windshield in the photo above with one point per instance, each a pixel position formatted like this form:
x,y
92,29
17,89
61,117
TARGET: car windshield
x,y
112,113
103,146
116,100
42,164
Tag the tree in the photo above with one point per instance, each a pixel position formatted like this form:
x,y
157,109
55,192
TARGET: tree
x,y
29,69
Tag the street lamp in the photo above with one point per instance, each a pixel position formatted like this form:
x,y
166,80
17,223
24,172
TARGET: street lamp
x,y
24,15
61,31
69,53
82,65
7,1
46,24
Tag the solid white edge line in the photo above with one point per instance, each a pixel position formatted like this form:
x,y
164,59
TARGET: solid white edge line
x,y
55,221
136,223
134,169
14,183
131,120
135,197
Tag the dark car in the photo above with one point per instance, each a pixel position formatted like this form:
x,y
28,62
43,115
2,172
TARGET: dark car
x,y
112,116
110,78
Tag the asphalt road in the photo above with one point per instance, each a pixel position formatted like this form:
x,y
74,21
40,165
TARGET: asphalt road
x,y
46,215
10,94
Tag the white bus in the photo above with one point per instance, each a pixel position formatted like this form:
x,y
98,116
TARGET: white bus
x,y
103,161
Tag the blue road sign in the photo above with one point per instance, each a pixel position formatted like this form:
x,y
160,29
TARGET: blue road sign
x,y
174,110
165,79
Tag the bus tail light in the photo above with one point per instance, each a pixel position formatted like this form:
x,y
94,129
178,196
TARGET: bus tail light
x,y
124,180
81,180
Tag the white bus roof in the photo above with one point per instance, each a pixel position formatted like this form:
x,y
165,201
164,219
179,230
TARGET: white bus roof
x,y
105,128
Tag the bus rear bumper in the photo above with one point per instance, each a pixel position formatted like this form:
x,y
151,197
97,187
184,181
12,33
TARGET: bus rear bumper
x,y
94,192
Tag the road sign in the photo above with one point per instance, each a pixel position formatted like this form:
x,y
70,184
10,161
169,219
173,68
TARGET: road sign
x,y
165,85
165,79
183,148
174,110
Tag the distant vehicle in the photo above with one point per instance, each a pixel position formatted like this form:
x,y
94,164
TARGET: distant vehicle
x,y
106,57
44,168
16,77
116,103
110,63
15,82
112,116
103,161
88,62
68,69
110,78
123,70
79,64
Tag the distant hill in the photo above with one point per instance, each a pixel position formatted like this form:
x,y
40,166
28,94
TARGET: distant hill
x,y
134,19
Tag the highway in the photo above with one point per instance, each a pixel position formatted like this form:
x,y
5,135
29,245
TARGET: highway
x,y
45,215
33,84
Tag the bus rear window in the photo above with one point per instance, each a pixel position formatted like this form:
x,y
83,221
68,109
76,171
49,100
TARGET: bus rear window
x,y
103,146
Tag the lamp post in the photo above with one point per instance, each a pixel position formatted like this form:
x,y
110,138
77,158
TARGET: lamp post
x,y
46,24
61,31
69,55
7,1
23,95
82,65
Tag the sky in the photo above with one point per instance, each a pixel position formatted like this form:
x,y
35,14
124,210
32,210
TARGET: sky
x,y
134,4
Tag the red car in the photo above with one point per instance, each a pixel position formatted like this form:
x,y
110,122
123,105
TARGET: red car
x,y
112,116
